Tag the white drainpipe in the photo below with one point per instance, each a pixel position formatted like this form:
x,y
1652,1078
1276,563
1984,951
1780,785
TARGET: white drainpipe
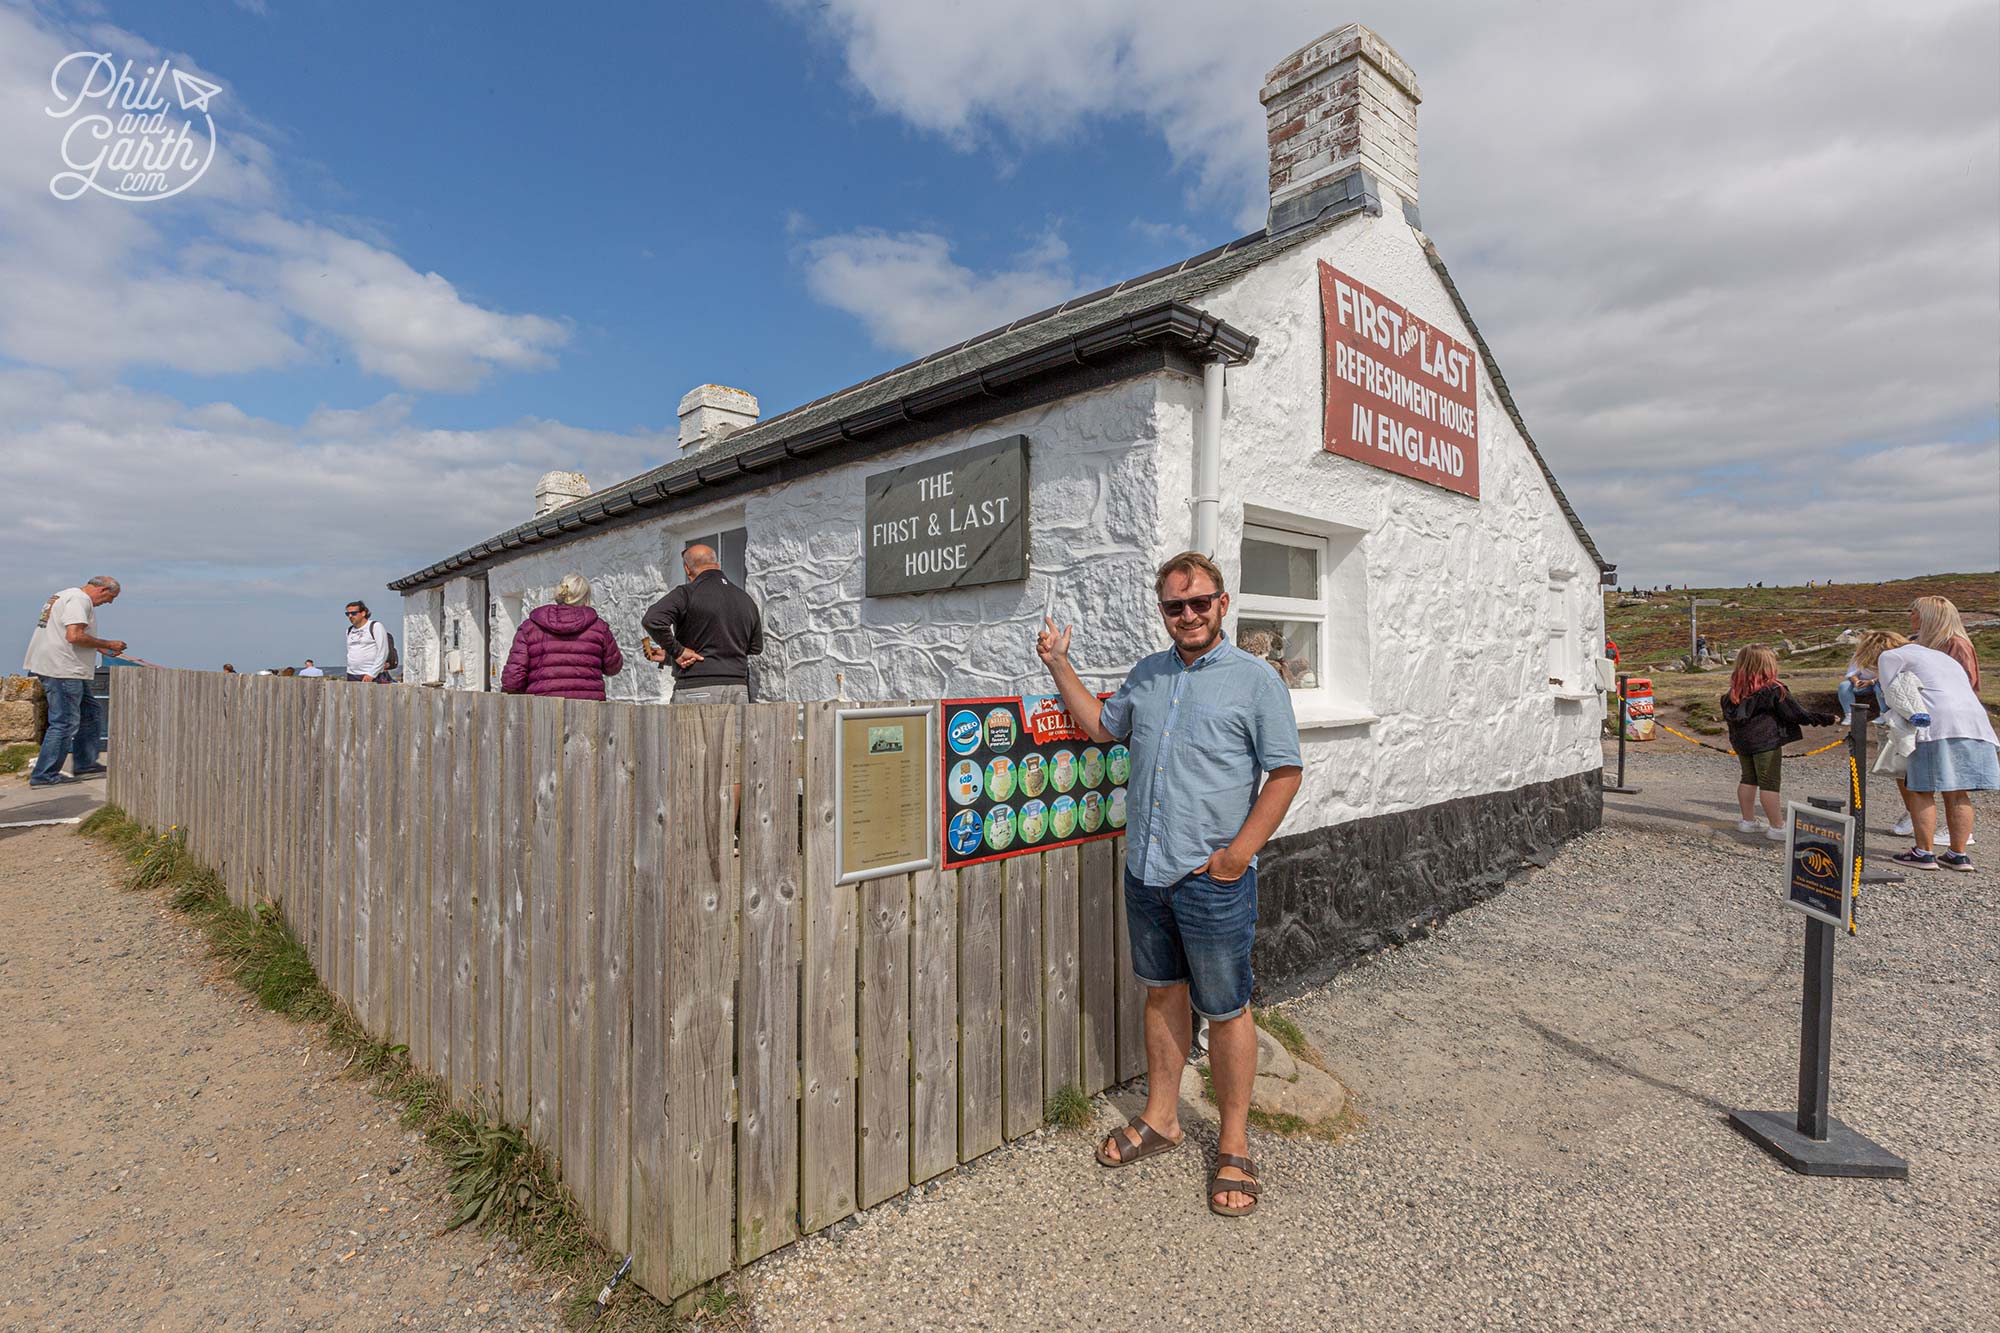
x,y
1207,500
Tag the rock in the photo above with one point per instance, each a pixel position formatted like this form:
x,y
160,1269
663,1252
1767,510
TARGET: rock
x,y
1194,1106
1273,1060
1312,1095
20,720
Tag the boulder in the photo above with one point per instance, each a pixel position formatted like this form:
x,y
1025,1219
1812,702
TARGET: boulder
x,y
1313,1095
21,720
14,689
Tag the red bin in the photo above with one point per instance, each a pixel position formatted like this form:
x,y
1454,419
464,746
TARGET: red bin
x,y
1639,708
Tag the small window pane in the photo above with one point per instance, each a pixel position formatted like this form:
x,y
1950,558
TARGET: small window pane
x,y
1275,569
1290,646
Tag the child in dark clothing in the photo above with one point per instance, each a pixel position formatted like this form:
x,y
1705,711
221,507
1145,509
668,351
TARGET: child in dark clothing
x,y
1763,717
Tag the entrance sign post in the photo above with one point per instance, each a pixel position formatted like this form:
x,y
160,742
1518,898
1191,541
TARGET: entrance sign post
x,y
1820,866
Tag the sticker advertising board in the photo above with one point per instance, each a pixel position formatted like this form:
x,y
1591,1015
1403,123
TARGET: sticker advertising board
x,y
1819,864
1019,776
1401,393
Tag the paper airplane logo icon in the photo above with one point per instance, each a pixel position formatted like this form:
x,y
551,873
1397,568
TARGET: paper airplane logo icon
x,y
194,93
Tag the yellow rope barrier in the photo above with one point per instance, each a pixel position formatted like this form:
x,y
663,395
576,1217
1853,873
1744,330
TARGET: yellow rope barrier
x,y
1731,753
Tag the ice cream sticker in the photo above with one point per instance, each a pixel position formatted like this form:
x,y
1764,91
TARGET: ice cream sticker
x,y
965,781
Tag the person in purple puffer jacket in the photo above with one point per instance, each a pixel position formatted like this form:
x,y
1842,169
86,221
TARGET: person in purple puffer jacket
x,y
564,649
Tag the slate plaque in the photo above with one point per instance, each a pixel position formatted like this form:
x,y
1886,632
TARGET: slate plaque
x,y
950,522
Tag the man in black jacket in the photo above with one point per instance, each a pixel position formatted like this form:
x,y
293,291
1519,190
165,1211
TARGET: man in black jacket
x,y
709,629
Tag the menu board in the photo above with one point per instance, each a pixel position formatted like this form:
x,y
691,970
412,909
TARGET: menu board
x,y
1020,776
882,764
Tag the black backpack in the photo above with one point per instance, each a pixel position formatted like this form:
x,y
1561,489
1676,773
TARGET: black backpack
x,y
393,660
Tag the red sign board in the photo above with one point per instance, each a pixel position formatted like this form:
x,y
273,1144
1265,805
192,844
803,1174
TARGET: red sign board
x,y
1020,776
1401,393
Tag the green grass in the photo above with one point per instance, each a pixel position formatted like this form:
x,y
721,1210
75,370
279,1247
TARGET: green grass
x,y
17,758
1288,1034
499,1180
1067,1108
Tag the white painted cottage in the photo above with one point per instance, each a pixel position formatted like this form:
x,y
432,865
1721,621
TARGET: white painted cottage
x,y
1312,404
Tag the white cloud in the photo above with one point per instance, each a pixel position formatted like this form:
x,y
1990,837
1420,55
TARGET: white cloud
x,y
218,280
1698,236
234,535
913,297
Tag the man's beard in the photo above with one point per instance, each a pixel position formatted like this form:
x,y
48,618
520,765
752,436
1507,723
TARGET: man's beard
x,y
1214,633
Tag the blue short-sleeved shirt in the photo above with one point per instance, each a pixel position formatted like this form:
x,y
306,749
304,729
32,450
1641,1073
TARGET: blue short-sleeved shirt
x,y
1202,737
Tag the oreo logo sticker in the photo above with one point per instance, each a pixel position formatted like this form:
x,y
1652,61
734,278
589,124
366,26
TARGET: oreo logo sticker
x,y
1000,729
963,832
967,781
965,732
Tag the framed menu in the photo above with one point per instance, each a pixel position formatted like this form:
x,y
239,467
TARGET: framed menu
x,y
883,790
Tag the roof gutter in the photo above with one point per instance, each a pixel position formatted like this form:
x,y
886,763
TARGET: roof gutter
x,y
1202,335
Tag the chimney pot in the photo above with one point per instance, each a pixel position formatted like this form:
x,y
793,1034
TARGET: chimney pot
x,y
711,413
557,489
1341,121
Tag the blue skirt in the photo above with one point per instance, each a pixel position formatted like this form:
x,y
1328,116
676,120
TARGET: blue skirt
x,y
1960,763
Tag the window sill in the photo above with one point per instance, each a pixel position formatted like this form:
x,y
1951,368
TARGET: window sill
x,y
1328,717
1575,696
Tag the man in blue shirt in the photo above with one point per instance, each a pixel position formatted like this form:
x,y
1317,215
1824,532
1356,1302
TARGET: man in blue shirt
x,y
1206,723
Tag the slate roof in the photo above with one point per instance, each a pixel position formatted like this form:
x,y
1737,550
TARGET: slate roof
x,y
1152,305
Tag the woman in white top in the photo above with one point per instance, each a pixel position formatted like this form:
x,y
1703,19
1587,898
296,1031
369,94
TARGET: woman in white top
x,y
1955,755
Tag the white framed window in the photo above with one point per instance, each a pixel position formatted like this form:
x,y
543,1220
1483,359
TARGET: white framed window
x,y
1302,604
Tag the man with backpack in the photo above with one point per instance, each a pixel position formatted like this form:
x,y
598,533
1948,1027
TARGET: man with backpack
x,y
371,649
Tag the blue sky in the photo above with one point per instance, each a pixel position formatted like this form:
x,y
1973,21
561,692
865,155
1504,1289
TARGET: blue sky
x,y
1745,291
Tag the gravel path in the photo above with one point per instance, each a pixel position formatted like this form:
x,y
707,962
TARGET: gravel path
x,y
175,1158
1544,1083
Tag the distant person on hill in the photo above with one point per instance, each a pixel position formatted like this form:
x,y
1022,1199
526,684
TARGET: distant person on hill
x,y
564,649
1956,754
62,654
1763,718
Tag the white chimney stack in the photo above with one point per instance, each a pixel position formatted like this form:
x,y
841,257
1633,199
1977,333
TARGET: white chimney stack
x,y
557,489
1341,117
711,413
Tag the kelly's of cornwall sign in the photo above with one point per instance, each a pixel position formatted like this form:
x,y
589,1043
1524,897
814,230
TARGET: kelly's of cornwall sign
x,y
950,522
1401,393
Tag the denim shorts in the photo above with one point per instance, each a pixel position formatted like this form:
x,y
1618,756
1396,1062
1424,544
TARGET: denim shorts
x,y
1199,932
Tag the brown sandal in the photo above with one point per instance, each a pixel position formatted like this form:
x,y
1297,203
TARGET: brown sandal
x,y
1151,1143
1218,1186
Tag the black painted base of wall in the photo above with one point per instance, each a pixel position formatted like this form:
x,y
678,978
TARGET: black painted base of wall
x,y
1332,895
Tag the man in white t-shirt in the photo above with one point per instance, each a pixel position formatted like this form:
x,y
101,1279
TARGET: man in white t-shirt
x,y
63,653
367,646
310,670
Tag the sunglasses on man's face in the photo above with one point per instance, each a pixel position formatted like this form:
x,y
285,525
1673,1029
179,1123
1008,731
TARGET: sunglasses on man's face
x,y
1172,607
357,613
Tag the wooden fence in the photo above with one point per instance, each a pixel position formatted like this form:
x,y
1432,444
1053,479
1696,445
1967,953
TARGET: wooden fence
x,y
549,902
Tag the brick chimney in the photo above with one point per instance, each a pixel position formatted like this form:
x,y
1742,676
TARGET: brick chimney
x,y
1341,114
557,489
711,413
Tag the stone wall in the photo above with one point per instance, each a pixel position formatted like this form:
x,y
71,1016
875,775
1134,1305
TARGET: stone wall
x,y
1330,895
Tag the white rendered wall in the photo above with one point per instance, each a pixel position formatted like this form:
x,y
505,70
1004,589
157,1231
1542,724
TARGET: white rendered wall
x,y
464,624
1456,587
417,642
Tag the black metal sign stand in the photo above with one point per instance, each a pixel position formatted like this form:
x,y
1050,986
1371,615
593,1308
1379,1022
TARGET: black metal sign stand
x,y
1812,1142
1619,786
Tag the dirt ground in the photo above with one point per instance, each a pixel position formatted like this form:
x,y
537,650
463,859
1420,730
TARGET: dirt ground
x,y
177,1159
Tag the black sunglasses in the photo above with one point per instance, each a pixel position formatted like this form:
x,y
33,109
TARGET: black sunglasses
x,y
1173,606
357,613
